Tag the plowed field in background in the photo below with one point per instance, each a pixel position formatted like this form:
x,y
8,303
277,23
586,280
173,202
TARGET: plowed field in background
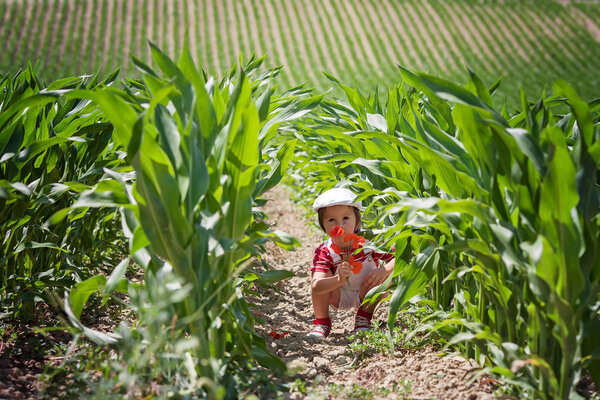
x,y
528,43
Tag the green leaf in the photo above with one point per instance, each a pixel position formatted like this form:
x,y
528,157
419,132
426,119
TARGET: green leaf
x,y
80,294
116,277
285,240
36,245
278,169
413,280
28,103
267,359
275,275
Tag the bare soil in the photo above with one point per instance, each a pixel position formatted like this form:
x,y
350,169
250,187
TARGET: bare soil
x,y
27,350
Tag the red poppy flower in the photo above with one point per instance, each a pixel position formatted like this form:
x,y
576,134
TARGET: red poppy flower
x,y
357,267
336,231
336,248
276,335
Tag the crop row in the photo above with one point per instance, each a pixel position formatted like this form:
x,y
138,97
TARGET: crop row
x,y
358,40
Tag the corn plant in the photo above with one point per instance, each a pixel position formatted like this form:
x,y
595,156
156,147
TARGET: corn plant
x,y
51,149
494,217
202,155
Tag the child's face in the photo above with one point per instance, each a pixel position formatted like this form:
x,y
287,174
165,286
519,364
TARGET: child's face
x,y
339,215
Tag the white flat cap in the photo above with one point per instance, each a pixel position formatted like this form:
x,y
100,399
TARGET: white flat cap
x,y
336,197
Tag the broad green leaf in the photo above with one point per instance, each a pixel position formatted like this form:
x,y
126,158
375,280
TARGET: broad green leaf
x,y
80,294
116,277
36,245
272,276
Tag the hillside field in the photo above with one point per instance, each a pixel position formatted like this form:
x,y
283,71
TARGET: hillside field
x,y
528,43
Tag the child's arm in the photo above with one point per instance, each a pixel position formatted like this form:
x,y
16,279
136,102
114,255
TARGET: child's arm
x,y
323,282
379,275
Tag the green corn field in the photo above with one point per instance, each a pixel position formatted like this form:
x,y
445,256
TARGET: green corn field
x,y
137,151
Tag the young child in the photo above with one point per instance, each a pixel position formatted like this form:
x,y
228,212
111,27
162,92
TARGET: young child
x,y
332,279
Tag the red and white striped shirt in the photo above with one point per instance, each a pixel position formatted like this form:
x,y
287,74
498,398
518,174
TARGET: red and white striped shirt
x,y
325,259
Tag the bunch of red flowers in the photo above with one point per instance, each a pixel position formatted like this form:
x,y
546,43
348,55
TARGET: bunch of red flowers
x,y
357,242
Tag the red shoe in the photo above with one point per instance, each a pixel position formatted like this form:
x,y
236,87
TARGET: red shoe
x,y
321,329
362,321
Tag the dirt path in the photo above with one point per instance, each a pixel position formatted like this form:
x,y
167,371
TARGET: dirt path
x,y
422,373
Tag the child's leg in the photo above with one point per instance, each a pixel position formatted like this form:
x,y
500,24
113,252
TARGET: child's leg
x,y
365,312
369,308
322,322
321,302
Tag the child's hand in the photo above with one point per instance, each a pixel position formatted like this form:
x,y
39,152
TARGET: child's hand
x,y
376,277
344,270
